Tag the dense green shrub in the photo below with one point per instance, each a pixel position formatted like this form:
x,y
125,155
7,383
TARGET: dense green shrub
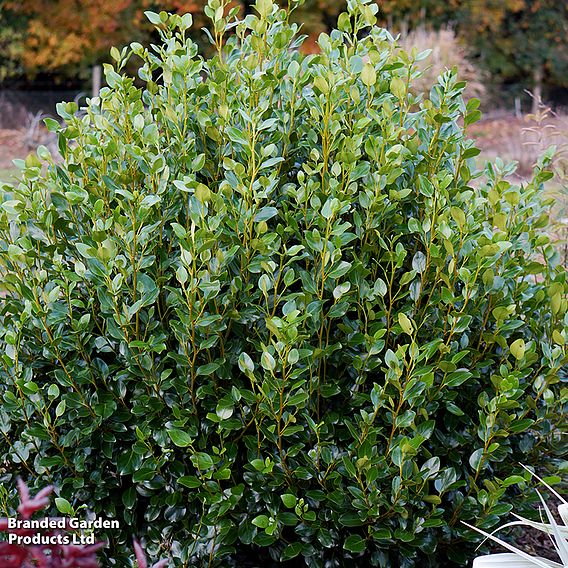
x,y
264,305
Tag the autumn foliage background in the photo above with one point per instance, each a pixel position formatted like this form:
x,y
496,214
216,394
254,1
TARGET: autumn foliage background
x,y
521,44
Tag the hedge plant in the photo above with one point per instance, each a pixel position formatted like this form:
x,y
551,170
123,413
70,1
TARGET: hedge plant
x,y
264,306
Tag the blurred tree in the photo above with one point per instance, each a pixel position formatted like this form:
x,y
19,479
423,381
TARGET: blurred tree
x,y
12,28
513,39
412,14
516,39
65,36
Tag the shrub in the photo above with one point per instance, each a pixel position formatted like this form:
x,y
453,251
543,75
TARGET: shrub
x,y
265,308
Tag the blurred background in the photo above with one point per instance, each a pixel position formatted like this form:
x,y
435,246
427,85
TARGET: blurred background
x,y
510,45
513,53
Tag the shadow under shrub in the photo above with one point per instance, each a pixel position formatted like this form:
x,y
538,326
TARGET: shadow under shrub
x,y
262,307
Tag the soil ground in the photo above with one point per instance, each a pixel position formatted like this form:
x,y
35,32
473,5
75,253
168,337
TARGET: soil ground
x,y
12,145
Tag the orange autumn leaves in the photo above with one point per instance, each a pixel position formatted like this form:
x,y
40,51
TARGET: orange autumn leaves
x,y
71,34
68,36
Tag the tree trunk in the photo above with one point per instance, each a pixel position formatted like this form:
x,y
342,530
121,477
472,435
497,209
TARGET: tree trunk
x,y
537,88
96,79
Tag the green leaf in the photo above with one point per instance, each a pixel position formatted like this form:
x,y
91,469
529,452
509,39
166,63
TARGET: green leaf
x,y
181,275
129,497
53,391
293,69
288,500
458,377
128,462
51,124
398,88
267,361
245,363
261,521
322,85
180,438
458,216
202,193
60,408
291,551
153,17
235,135
340,270
382,534
144,474
189,481
419,262
207,369
264,7
472,117
513,480
475,458
224,411
202,460
64,507
344,22
350,520
368,75
518,426
265,214
406,324
354,543
518,349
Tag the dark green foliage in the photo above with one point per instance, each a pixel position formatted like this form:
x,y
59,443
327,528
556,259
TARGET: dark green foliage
x,y
265,305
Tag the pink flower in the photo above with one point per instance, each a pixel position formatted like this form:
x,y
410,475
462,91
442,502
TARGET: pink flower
x,y
58,556
29,506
